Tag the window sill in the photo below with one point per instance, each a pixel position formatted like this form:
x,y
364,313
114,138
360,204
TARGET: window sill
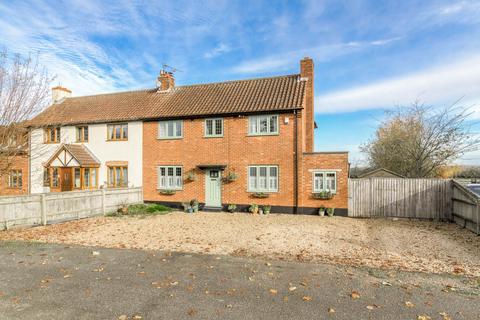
x,y
209,137
262,134
170,138
116,140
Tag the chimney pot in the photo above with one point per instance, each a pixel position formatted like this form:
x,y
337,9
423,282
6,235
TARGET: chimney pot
x,y
60,93
165,81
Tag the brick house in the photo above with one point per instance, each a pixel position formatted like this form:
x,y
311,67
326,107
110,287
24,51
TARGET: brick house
x,y
241,142
14,166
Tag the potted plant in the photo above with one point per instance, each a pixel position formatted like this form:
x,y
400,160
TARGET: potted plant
x,y
266,209
167,192
191,176
253,208
260,195
194,204
330,211
323,195
321,211
186,206
232,207
231,176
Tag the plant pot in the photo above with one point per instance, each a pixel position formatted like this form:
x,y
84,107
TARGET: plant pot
x,y
261,195
167,192
321,213
195,208
266,212
190,210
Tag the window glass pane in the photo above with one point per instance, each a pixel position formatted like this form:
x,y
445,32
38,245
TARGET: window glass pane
x,y
170,129
110,132
94,177
273,124
52,135
58,134
118,132
111,176
79,134
253,125
162,129
263,125
252,178
331,181
209,127
125,176
118,176
85,133
125,131
178,132
218,126
262,180
77,178
55,177
86,177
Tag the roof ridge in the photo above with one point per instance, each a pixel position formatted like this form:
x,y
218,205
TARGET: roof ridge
x,y
189,85
238,80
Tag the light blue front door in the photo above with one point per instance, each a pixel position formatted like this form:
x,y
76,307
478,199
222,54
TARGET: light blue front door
x,y
213,188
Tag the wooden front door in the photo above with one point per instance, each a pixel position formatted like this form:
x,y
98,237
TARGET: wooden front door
x,y
213,188
66,179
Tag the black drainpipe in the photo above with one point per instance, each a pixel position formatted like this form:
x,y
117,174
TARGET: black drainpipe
x,y
295,165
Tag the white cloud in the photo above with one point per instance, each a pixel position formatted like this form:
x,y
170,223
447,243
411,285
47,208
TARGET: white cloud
x,y
218,50
285,61
439,85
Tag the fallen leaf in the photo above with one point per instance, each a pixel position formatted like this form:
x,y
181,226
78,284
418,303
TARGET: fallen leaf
x,y
331,310
445,316
67,276
424,317
137,317
370,307
355,295
385,283
95,253
409,304
191,312
123,317
307,298
273,291
292,288
285,299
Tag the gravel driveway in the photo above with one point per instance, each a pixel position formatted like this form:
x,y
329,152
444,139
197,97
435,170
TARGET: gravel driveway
x,y
425,246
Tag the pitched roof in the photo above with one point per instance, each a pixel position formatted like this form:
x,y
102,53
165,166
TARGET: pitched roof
x,y
84,157
232,97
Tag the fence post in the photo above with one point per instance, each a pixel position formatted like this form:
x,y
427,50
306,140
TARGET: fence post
x,y
104,205
44,209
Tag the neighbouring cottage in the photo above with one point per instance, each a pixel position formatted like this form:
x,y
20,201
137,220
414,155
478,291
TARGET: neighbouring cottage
x,y
14,163
240,142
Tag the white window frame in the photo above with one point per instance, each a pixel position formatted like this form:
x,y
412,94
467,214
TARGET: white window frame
x,y
324,180
165,131
176,179
214,128
257,188
254,122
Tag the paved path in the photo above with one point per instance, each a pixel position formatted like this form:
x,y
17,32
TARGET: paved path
x,y
42,281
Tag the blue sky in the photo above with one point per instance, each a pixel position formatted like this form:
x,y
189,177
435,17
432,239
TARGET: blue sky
x,y
369,55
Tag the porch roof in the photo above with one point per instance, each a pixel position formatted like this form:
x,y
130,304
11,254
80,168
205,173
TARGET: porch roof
x,y
81,154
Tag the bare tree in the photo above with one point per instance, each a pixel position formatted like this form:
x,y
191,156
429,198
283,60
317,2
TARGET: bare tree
x,y
417,141
24,91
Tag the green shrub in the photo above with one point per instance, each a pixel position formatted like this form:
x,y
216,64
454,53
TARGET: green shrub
x,y
153,208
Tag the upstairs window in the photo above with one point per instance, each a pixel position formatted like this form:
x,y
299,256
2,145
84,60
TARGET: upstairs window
x,y
170,129
325,181
263,178
263,125
214,127
52,135
170,178
15,179
82,134
117,132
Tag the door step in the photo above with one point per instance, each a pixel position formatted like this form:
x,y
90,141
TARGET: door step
x,y
212,209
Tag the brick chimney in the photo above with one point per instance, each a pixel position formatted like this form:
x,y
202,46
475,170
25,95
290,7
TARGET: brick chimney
x,y
306,72
59,93
165,81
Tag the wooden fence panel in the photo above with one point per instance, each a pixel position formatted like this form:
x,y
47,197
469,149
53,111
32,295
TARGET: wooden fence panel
x,y
466,208
63,206
402,198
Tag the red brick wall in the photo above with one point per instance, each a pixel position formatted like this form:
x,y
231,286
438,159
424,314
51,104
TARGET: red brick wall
x,y
19,163
307,72
237,150
325,161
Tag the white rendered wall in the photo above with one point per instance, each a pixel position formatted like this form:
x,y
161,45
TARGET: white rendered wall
x,y
104,150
